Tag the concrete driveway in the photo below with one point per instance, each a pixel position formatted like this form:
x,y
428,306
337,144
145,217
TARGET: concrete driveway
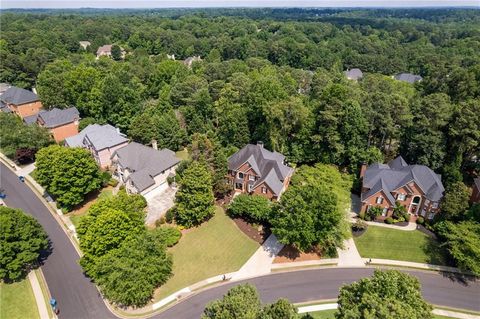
x,y
159,201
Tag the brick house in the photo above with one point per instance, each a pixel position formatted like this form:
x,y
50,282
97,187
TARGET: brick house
x,y
143,169
255,170
416,187
20,101
101,140
475,198
61,123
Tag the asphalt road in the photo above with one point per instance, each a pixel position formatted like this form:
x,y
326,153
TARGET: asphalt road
x,y
78,297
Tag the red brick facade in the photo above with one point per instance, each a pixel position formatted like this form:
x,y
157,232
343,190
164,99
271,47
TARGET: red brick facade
x,y
27,109
62,132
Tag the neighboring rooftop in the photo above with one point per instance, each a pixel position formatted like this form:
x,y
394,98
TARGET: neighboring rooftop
x,y
145,163
4,107
17,96
105,49
84,44
268,165
100,136
354,74
408,77
55,117
189,61
397,173
4,87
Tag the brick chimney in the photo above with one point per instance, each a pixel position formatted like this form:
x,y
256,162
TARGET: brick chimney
x,y
154,144
363,169
260,143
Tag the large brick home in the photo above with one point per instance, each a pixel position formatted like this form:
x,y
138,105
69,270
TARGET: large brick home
x,y
101,140
61,123
143,169
416,187
255,170
20,101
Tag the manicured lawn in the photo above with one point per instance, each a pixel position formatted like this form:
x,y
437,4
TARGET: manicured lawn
x,y
385,243
214,248
183,154
17,301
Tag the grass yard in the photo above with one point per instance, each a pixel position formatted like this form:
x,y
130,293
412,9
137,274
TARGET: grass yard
x,y
386,243
183,154
17,301
82,209
216,247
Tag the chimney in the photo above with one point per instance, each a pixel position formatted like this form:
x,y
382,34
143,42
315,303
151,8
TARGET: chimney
x,y
118,131
154,144
34,90
363,169
260,143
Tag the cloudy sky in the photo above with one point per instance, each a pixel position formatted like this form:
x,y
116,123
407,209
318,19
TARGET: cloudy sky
x,y
230,3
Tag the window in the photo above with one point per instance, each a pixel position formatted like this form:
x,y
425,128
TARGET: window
x,y
384,212
379,200
249,188
240,175
251,177
401,196
435,205
264,190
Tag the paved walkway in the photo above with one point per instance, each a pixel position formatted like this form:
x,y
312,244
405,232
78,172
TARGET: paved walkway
x,y
38,293
441,312
159,201
349,255
399,263
409,227
261,261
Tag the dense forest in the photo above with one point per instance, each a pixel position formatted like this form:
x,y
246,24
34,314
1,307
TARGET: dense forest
x,y
266,74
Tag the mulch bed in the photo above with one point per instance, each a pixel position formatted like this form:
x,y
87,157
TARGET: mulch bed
x,y
252,231
426,231
290,254
358,233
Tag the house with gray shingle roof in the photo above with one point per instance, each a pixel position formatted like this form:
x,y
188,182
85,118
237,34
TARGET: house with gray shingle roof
x,y
354,74
475,198
256,170
416,187
101,140
61,123
143,169
20,101
408,77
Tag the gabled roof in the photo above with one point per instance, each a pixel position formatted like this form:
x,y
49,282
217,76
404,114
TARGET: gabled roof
x,y
107,48
268,165
57,117
397,174
17,96
354,74
145,163
99,136
4,86
408,77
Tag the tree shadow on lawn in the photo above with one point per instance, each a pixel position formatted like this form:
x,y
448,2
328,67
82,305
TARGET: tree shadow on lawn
x,y
438,255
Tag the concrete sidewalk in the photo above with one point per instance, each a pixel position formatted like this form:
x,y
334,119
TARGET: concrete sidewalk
x,y
38,293
349,255
409,227
409,264
261,261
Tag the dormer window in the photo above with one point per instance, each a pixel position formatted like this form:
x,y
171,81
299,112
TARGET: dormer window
x,y
251,178
379,200
240,175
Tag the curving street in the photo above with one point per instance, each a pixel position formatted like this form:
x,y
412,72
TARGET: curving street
x,y
78,297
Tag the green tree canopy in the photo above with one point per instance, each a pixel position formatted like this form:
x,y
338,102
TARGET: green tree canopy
x,y
22,239
194,200
455,202
387,294
255,208
67,173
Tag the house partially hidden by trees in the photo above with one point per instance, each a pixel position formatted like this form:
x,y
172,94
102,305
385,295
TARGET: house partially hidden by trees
x,y
255,170
20,101
101,140
475,198
61,123
84,44
189,61
109,50
408,77
143,169
416,187
354,74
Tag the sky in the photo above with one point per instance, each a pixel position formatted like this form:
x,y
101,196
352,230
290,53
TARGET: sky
x,y
230,3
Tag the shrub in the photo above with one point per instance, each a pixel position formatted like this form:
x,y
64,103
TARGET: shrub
x,y
373,212
420,220
399,220
359,225
160,221
170,215
112,182
167,235
361,215
251,207
389,220
170,180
